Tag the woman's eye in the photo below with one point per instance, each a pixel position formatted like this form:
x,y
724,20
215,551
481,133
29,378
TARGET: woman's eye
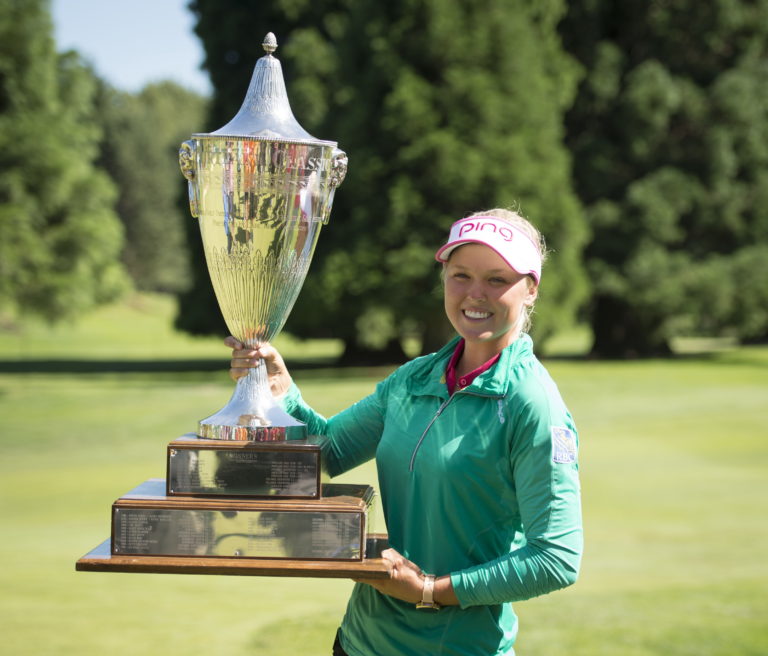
x,y
498,281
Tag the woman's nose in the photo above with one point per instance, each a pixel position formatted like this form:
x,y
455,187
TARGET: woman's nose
x,y
476,291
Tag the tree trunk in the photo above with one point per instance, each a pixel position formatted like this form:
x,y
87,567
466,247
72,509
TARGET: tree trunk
x,y
437,331
619,333
358,355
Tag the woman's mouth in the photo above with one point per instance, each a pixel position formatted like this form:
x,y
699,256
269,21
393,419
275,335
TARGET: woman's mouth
x,y
476,314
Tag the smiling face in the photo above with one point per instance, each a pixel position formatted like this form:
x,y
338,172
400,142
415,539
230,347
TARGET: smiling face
x,y
485,298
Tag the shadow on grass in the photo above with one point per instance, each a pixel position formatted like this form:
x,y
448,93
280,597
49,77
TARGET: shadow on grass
x,y
745,355
62,366
57,366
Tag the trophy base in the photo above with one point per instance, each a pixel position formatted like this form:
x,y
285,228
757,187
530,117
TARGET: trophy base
x,y
101,559
251,416
147,522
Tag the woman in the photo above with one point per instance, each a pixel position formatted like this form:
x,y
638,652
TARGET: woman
x,y
476,455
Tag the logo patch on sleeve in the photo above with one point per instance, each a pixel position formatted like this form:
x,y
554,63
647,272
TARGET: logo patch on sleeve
x,y
563,445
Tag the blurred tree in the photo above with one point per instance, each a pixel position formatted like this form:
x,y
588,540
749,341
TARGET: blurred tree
x,y
670,133
142,133
443,108
59,238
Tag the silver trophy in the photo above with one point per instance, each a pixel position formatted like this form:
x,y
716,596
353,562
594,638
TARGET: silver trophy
x,y
261,187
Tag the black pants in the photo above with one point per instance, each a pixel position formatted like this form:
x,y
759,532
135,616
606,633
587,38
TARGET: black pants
x,y
337,650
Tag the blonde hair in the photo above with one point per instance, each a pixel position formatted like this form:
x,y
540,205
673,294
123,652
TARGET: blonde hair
x,y
517,220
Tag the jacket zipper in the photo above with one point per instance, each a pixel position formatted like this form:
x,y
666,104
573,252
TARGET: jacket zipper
x,y
424,434
437,414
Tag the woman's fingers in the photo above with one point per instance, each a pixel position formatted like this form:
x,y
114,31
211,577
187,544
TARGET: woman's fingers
x,y
404,580
234,343
399,562
245,359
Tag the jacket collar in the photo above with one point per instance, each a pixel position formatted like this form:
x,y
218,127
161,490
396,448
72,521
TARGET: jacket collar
x,y
429,376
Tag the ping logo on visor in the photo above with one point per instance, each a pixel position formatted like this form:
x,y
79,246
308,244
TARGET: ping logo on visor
x,y
513,245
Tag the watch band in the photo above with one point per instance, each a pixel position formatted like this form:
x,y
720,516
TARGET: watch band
x,y
427,594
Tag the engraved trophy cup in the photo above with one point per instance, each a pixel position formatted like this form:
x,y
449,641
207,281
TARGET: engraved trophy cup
x,y
262,188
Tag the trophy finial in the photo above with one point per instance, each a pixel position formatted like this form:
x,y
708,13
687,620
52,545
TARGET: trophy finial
x,y
270,43
266,112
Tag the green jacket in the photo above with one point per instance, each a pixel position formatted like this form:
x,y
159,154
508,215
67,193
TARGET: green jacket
x,y
482,485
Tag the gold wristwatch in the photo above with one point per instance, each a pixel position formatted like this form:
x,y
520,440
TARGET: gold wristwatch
x,y
427,601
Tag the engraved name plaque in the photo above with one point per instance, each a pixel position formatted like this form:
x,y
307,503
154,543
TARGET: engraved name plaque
x,y
147,522
198,467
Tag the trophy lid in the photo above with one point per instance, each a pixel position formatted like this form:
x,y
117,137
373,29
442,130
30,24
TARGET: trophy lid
x,y
265,112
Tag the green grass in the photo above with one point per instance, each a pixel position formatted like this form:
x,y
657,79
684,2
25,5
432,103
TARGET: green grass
x,y
674,472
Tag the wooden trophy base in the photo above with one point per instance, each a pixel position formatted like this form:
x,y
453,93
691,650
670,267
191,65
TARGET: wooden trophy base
x,y
157,534
101,559
243,509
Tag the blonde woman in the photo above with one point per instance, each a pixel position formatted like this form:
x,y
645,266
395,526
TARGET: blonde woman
x,y
476,455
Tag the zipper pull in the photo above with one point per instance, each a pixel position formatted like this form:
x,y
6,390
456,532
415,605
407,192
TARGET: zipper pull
x,y
500,408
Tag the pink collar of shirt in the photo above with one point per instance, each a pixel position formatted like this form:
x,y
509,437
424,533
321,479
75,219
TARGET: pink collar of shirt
x,y
455,383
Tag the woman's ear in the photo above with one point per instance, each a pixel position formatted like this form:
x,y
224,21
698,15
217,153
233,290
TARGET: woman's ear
x,y
533,292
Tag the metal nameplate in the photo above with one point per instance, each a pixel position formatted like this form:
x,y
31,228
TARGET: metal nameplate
x,y
238,533
205,467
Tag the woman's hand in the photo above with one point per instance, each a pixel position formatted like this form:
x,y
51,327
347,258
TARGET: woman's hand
x,y
244,359
405,580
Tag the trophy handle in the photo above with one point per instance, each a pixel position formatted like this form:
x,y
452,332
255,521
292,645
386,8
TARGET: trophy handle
x,y
187,165
335,177
338,168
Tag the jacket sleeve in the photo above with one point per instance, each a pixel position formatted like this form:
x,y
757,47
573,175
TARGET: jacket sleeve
x,y
543,458
350,437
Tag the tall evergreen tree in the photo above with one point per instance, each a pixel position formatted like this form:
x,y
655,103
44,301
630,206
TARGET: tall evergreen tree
x,y
59,238
443,108
142,133
670,135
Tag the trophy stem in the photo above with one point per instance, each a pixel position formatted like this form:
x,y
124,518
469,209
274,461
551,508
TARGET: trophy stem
x,y
252,414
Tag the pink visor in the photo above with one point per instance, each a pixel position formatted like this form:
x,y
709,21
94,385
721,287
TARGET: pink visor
x,y
514,246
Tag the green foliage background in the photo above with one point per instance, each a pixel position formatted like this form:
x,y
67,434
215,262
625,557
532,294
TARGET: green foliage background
x,y
139,149
670,133
59,237
650,116
90,192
